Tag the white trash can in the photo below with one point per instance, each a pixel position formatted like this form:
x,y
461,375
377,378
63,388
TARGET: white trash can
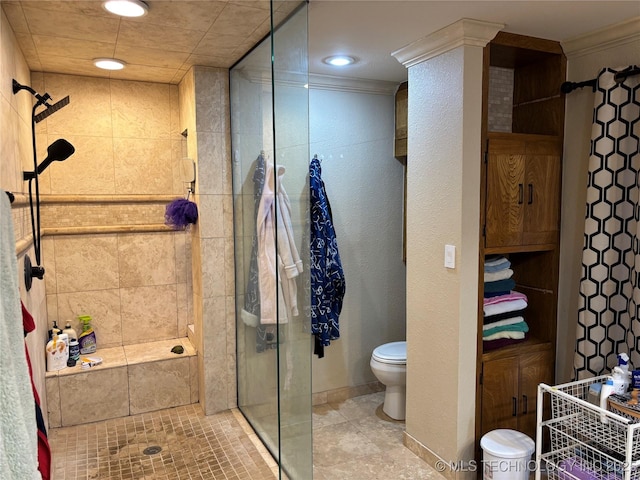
x,y
506,455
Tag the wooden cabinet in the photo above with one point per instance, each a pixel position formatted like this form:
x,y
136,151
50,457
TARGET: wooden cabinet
x,y
510,386
522,189
400,144
520,211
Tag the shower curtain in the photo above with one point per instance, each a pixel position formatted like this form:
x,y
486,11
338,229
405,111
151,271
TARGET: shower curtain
x,y
608,316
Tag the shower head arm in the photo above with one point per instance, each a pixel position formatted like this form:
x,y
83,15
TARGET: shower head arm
x,y
42,99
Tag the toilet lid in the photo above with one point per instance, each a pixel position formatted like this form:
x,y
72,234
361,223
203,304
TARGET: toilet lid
x,y
394,353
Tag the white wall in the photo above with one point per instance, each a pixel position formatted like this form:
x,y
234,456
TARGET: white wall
x,y
616,46
352,132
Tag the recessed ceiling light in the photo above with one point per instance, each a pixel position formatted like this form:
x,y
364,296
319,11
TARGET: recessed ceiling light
x,y
339,60
109,63
126,8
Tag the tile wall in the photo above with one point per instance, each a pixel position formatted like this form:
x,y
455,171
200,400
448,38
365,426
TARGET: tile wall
x,y
106,251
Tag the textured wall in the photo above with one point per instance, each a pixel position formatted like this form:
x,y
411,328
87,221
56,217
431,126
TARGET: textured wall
x,y
364,183
443,191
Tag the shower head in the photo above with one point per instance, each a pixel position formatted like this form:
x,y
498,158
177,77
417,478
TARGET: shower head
x,y
51,109
56,152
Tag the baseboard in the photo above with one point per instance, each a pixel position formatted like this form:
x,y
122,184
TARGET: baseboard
x,y
341,394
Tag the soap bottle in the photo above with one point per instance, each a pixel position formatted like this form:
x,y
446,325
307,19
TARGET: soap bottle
x,y
87,338
621,381
607,389
57,351
69,330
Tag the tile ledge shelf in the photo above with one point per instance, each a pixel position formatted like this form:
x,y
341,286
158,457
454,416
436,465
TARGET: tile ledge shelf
x,y
151,227
134,354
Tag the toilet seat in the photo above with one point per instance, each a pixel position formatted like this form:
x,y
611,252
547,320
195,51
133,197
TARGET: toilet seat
x,y
394,353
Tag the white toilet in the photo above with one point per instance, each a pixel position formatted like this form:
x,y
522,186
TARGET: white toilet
x,y
389,365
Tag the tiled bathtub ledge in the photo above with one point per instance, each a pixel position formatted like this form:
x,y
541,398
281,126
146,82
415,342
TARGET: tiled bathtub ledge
x,y
131,379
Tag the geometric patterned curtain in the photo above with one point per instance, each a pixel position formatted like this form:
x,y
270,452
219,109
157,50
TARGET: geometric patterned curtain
x,y
608,316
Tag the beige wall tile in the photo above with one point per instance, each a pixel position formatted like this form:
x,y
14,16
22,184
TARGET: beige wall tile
x,y
52,310
182,260
146,259
71,25
79,402
49,262
143,166
90,170
104,308
149,313
86,263
53,401
193,379
213,278
158,385
211,163
89,109
211,222
140,110
183,309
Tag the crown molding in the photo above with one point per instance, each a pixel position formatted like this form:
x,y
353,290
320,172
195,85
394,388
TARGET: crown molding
x,y
465,31
352,85
603,39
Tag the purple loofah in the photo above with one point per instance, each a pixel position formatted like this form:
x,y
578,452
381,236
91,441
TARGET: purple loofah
x,y
180,213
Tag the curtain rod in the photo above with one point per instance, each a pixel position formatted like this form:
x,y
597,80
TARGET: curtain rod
x,y
619,77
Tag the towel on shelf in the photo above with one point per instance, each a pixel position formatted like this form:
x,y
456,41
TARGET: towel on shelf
x,y
490,345
488,320
521,326
499,275
505,285
495,264
500,323
512,335
513,295
504,307
18,428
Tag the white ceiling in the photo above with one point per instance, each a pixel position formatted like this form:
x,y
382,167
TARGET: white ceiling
x,y
65,35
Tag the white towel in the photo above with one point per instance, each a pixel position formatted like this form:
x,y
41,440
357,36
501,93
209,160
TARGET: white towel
x,y
18,429
504,307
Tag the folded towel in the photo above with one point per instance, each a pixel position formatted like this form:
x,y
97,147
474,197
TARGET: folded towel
x,y
502,316
496,264
516,327
499,275
18,428
500,286
513,335
513,295
496,294
503,307
500,323
490,345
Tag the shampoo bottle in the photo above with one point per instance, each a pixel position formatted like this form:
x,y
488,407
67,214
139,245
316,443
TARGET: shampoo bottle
x,y
87,338
69,330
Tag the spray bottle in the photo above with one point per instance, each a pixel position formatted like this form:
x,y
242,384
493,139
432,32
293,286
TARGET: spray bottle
x,y
87,338
607,389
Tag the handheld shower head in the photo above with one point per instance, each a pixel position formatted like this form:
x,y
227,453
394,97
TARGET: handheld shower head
x,y
56,152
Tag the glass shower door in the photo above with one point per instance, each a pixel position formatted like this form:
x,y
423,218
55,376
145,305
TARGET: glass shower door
x,y
269,127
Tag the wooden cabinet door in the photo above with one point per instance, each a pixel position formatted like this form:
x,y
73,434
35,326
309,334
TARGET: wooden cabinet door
x,y
523,190
542,192
534,368
505,192
500,394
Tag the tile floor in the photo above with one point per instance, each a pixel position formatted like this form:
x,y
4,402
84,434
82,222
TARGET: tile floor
x,y
352,440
